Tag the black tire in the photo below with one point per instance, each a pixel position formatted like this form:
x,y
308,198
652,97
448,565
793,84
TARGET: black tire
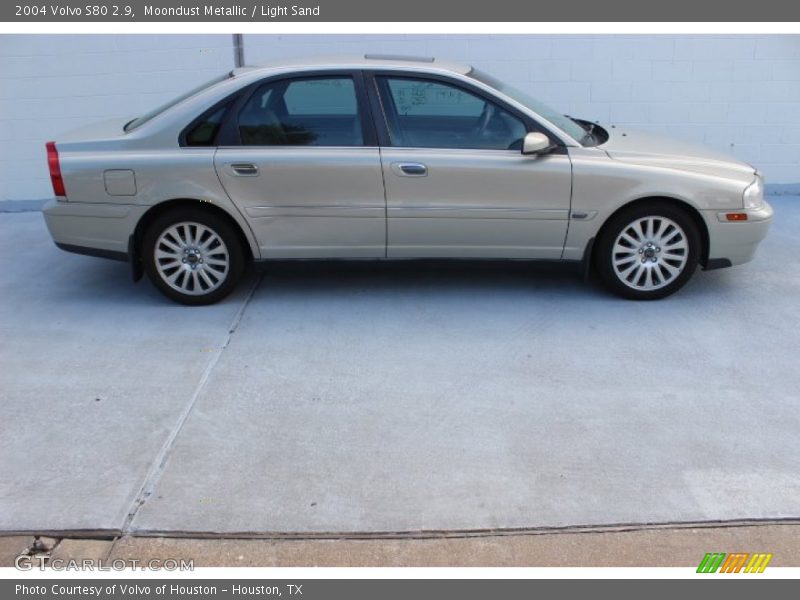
x,y
225,248
604,254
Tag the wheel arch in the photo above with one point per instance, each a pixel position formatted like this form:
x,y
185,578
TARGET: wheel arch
x,y
155,211
690,210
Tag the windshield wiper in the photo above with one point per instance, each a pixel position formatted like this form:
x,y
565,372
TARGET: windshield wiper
x,y
587,126
589,137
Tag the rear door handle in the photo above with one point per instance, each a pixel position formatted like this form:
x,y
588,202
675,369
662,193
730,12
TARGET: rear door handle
x,y
408,169
245,169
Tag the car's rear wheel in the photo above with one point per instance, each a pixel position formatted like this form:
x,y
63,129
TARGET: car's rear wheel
x,y
192,256
648,251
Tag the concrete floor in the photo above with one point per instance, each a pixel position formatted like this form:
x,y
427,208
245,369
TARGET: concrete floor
x,y
391,398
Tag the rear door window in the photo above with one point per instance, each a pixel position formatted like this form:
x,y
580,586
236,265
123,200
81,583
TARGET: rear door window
x,y
317,111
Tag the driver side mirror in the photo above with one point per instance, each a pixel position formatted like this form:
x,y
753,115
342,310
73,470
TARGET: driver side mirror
x,y
536,143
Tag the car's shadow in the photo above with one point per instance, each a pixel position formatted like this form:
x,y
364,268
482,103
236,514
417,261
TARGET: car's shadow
x,y
91,279
463,276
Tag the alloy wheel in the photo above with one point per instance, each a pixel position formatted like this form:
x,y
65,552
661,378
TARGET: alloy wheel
x,y
191,258
650,253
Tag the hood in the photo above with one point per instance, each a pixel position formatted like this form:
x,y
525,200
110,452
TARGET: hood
x,y
639,147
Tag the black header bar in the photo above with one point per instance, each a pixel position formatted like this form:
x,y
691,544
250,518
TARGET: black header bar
x,y
132,11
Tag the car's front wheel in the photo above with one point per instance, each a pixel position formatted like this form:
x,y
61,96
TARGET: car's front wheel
x,y
648,251
192,256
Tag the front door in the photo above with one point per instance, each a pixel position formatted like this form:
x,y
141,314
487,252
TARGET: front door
x,y
456,182
306,172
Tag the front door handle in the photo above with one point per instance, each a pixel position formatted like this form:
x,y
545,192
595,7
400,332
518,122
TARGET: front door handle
x,y
409,169
246,169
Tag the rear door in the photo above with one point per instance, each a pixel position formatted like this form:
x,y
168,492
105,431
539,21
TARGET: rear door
x,y
457,184
300,159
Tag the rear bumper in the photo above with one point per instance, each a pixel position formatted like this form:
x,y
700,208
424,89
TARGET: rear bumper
x,y
735,242
94,229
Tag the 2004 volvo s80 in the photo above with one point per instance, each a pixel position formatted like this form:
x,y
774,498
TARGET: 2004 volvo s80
x,y
387,157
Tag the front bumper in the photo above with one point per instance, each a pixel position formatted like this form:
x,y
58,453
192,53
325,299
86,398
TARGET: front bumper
x,y
96,229
735,242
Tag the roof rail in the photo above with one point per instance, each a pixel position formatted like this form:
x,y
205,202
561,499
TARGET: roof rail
x,y
426,59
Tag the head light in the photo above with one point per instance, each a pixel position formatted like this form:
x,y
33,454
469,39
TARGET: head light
x,y
754,194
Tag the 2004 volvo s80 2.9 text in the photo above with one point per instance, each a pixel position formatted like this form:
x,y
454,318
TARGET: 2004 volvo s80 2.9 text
x,y
387,157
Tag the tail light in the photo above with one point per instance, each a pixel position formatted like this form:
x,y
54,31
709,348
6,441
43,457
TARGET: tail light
x,y
55,170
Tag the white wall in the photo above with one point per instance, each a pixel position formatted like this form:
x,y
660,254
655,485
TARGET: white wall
x,y
740,93
53,83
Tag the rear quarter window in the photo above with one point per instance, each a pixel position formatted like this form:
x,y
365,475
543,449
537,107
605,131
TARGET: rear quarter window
x,y
204,131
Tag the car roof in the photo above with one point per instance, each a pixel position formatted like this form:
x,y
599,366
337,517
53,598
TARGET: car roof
x,y
365,61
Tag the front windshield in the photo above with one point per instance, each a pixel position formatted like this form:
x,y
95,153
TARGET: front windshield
x,y
563,122
155,112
